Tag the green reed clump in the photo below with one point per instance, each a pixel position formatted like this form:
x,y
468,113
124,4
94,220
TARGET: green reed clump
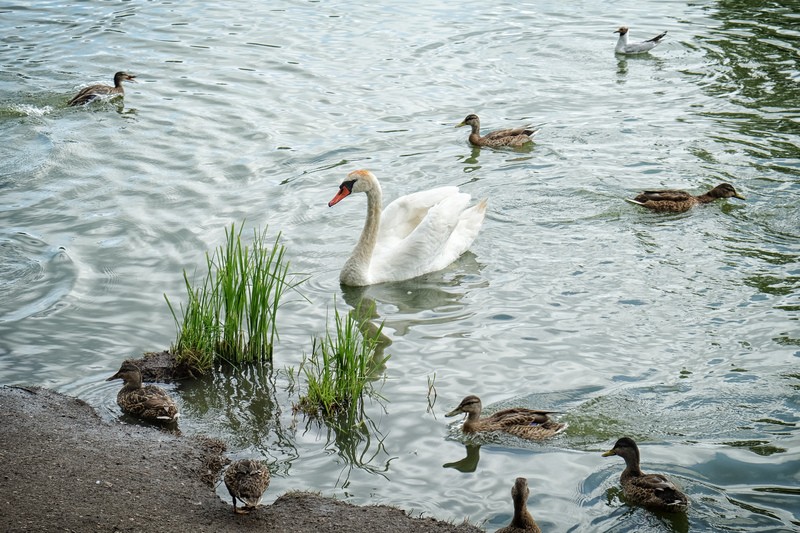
x,y
340,368
231,315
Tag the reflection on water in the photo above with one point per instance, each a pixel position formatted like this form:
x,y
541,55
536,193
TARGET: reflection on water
x,y
364,313
34,277
470,462
356,440
241,404
434,298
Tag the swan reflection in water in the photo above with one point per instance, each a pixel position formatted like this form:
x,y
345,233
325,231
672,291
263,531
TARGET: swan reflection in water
x,y
432,298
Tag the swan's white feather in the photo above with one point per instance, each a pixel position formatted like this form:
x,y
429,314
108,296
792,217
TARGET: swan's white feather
x,y
418,233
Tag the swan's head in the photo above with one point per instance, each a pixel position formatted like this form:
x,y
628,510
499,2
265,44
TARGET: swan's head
x,y
357,181
471,120
622,30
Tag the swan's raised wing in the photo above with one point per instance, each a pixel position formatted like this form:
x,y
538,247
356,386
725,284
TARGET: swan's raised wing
x,y
403,215
469,224
426,248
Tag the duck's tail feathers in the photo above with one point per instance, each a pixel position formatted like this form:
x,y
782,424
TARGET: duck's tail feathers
x,y
631,200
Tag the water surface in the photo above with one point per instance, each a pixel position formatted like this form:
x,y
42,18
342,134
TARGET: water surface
x,y
678,330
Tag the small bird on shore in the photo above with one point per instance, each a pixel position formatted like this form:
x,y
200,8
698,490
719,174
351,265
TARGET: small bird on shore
x,y
524,423
624,47
678,201
246,481
649,490
151,403
513,137
522,522
90,93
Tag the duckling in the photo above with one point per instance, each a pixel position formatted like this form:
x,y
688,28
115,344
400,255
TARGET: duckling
x,y
679,201
525,423
87,94
149,403
522,522
624,47
649,490
246,481
513,137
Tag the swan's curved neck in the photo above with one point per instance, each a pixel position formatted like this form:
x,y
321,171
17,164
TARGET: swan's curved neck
x,y
356,270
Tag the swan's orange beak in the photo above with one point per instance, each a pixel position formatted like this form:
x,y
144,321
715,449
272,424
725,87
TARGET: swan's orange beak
x,y
344,190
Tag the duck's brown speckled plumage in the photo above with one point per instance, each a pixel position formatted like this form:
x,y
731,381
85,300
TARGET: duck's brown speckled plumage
x,y
87,94
512,137
149,403
246,481
531,424
649,490
679,201
522,522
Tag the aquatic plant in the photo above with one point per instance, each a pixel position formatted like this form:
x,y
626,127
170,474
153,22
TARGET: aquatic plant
x,y
341,367
431,393
230,316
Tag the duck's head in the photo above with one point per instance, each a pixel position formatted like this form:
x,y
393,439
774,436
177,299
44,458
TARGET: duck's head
x,y
725,190
469,405
128,373
357,181
470,120
520,491
625,448
622,30
120,76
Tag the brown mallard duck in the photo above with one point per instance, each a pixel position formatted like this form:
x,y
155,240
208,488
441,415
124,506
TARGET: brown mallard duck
x,y
509,137
246,480
649,490
87,94
522,522
679,201
149,403
530,424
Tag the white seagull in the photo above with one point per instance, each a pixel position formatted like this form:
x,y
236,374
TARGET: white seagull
x,y
623,47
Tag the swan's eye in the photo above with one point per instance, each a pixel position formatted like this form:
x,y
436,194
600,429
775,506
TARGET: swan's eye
x,y
347,185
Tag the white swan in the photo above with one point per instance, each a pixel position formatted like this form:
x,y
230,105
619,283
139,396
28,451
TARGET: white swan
x,y
416,234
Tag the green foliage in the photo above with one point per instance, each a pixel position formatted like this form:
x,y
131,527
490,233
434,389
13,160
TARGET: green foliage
x,y
231,315
340,368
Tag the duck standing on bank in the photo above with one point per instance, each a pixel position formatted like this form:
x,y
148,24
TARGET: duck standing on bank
x,y
624,47
246,481
90,93
150,403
